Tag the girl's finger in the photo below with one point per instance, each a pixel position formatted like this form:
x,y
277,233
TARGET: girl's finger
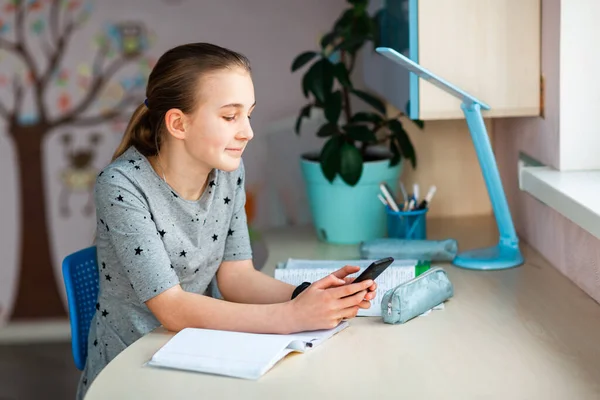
x,y
353,300
365,305
349,312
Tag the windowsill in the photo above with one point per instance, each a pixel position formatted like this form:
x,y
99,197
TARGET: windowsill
x,y
574,194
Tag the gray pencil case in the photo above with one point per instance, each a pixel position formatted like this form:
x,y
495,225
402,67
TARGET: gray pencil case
x,y
412,298
407,249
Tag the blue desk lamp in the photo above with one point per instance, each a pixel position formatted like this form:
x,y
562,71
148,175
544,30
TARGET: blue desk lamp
x,y
506,253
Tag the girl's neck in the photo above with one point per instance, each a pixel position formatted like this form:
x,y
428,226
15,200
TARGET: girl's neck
x,y
188,178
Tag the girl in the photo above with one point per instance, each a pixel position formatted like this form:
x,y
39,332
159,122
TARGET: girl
x,y
170,218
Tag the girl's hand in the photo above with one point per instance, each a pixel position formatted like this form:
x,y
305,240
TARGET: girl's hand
x,y
366,303
326,302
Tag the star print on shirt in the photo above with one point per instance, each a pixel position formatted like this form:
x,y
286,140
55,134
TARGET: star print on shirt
x,y
173,193
212,183
215,237
226,200
162,233
182,254
138,251
239,181
103,265
105,313
230,232
137,167
108,278
120,198
97,306
95,342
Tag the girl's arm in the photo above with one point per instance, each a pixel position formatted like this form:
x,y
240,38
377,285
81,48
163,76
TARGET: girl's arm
x,y
240,282
322,306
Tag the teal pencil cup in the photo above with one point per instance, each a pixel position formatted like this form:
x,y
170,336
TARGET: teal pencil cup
x,y
407,224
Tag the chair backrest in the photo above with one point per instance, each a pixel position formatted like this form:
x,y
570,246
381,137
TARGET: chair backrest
x,y
80,273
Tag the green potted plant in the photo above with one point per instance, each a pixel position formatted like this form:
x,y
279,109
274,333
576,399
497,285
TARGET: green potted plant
x,y
360,149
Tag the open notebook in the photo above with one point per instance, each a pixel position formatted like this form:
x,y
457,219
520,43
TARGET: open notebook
x,y
236,354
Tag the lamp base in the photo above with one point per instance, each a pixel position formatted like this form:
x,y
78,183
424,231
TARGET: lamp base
x,y
490,258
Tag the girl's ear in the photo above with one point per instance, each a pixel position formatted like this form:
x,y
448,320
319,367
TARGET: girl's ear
x,y
175,123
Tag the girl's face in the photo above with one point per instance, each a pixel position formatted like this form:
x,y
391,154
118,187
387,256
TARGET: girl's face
x,y
219,130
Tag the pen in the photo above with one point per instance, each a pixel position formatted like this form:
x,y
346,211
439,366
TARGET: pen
x,y
404,194
416,192
388,196
411,204
382,199
427,198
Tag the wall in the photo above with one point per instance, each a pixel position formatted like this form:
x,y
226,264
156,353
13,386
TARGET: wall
x,y
579,66
48,213
45,218
571,249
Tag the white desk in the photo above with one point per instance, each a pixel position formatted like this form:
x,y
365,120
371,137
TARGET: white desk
x,y
525,333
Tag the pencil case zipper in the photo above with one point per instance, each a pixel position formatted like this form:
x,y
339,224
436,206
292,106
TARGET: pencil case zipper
x,y
416,278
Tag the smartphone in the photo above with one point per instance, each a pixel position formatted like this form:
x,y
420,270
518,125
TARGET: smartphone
x,y
374,270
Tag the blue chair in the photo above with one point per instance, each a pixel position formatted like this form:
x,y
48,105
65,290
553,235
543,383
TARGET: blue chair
x,y
80,273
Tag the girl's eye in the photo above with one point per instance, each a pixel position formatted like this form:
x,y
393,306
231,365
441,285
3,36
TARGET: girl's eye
x,y
229,118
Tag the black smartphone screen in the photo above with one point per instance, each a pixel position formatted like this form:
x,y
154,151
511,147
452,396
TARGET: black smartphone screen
x,y
375,269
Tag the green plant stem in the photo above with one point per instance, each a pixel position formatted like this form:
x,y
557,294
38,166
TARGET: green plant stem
x,y
345,93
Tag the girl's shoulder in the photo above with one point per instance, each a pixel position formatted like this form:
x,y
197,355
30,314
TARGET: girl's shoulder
x,y
123,173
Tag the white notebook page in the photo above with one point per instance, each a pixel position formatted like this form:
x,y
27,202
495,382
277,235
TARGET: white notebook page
x,y
236,354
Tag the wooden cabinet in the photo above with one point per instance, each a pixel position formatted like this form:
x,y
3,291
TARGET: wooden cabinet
x,y
489,48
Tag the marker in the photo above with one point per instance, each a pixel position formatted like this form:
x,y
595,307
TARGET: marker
x,y
404,194
427,198
416,192
388,197
411,204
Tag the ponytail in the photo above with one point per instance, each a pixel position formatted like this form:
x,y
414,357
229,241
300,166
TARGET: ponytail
x,y
139,133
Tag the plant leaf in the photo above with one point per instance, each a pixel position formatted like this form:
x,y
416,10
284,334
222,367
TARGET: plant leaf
x,y
370,99
404,142
344,22
362,25
333,107
362,116
305,112
306,82
330,157
341,73
327,129
394,148
360,132
320,79
303,59
419,123
351,164
327,39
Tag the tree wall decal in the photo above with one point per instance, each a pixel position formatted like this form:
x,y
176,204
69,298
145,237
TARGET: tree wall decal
x,y
42,76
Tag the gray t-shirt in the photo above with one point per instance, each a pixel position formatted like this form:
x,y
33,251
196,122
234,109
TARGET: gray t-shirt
x,y
150,239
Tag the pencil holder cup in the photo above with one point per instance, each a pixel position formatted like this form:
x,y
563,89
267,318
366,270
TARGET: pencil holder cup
x,y
407,224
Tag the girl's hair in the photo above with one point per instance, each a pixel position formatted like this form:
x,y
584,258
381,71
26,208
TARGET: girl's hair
x,y
173,83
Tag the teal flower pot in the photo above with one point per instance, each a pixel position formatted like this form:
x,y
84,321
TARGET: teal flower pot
x,y
345,214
